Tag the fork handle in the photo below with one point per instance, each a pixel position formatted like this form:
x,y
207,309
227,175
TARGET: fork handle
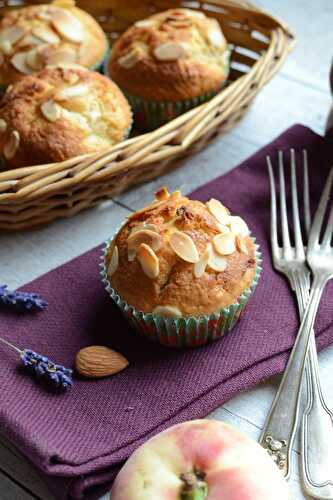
x,y
281,424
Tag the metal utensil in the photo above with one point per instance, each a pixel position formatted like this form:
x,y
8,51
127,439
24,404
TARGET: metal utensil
x,y
281,425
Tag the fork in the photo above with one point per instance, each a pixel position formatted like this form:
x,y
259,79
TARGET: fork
x,y
281,424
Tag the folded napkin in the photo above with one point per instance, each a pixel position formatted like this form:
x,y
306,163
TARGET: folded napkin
x,y
78,440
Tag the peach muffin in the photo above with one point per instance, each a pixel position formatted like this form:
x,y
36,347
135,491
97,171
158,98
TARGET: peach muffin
x,y
190,259
38,35
170,62
60,113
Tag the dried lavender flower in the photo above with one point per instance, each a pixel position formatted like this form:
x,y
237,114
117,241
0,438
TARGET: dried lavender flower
x,y
56,376
21,301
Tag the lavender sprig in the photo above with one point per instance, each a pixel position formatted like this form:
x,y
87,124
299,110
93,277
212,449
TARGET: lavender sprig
x,y
21,301
57,376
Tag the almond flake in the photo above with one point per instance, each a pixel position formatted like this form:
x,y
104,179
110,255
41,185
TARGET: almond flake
x,y
46,35
68,26
131,58
131,254
169,51
113,266
216,261
44,15
62,56
3,126
238,225
145,23
150,238
76,105
6,47
139,227
34,60
200,267
19,61
30,40
12,145
224,244
215,35
223,228
50,110
218,210
183,245
71,78
13,34
70,92
241,244
167,311
148,260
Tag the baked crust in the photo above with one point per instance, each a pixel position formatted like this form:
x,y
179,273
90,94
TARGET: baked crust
x,y
32,30
176,286
94,116
197,52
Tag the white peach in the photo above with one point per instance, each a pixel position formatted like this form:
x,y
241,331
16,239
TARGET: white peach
x,y
200,460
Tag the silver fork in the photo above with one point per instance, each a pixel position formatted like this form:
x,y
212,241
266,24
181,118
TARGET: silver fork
x,y
281,424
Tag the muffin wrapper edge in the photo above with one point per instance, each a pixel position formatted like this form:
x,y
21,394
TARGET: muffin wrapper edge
x,y
190,331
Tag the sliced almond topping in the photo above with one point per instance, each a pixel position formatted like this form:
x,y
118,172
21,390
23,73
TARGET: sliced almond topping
x,y
150,238
2,59
71,78
44,15
162,194
238,225
145,23
68,26
114,262
131,254
70,92
131,58
241,244
3,126
50,110
34,60
30,40
216,261
148,260
223,228
13,34
200,267
46,35
19,61
139,227
6,47
12,145
215,35
76,105
63,55
169,51
218,210
167,311
183,245
224,244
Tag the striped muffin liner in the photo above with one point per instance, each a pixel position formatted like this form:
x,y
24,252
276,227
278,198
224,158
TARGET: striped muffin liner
x,y
150,115
189,331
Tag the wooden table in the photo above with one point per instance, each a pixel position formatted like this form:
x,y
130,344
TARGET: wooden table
x,y
299,94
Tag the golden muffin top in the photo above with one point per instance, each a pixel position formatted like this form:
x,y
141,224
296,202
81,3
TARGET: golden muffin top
x,y
59,113
35,36
179,257
174,55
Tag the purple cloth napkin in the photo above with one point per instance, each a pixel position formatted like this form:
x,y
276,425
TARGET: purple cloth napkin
x,y
78,441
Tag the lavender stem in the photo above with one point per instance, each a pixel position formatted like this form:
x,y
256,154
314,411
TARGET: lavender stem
x,y
11,345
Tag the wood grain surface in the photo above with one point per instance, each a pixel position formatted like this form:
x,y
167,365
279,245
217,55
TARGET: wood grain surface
x,y
299,94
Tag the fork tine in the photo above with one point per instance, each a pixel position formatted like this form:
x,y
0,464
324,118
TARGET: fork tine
x,y
306,193
294,198
320,212
283,205
274,239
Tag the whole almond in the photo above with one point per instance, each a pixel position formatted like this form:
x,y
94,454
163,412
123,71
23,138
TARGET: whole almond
x,y
98,361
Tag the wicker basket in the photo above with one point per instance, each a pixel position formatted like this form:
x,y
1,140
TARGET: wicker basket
x,y
36,195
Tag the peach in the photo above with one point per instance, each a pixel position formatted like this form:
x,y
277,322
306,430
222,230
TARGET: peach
x,y
200,460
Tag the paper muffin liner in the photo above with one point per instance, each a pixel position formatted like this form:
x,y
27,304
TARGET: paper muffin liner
x,y
189,331
150,115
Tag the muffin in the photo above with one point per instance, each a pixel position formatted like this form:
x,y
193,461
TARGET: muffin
x,y
60,113
169,63
195,264
35,36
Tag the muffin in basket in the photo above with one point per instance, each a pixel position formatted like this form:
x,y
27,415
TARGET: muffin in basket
x,y
169,63
60,113
38,35
180,270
